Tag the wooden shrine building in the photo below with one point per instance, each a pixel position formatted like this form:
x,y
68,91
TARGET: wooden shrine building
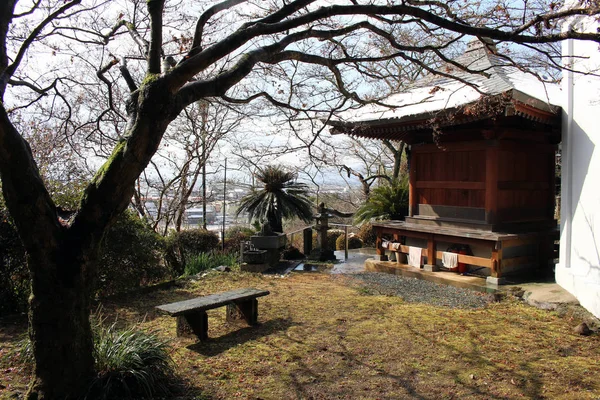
x,y
481,164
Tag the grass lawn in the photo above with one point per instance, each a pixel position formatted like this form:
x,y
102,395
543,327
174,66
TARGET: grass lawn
x,y
322,338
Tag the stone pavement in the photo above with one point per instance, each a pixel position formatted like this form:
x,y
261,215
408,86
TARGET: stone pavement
x,y
355,263
545,294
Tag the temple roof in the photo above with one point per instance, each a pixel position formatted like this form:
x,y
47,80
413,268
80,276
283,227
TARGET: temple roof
x,y
460,95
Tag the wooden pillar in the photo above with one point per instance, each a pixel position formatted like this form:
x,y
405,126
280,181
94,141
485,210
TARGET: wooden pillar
x,y
545,252
431,261
378,247
491,184
413,201
552,178
497,260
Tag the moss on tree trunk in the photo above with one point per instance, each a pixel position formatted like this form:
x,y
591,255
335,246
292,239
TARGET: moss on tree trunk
x,y
60,332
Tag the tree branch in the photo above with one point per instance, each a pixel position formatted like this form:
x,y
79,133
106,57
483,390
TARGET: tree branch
x,y
155,8
206,15
10,70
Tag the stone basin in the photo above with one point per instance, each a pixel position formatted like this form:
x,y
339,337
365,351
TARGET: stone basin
x,y
268,242
254,256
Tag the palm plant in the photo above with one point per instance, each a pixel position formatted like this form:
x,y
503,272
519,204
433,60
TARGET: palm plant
x,y
385,202
280,197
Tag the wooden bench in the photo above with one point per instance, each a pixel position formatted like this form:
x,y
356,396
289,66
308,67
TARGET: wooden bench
x,y
191,314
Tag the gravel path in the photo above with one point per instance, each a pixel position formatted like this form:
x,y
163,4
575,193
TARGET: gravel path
x,y
419,291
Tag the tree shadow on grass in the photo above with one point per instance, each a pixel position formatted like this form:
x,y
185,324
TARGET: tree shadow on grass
x,y
215,346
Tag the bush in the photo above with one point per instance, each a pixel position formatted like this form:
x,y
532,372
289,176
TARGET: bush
x,y
332,236
203,261
292,253
353,242
14,275
367,234
181,246
385,202
235,235
130,256
130,364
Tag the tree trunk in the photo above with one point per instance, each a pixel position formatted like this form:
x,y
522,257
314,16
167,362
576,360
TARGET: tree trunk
x,y
275,221
60,331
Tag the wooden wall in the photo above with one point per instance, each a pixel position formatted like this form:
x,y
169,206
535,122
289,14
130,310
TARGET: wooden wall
x,y
526,183
520,178
452,177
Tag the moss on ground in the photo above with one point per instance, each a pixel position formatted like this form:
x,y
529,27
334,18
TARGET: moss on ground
x,y
320,338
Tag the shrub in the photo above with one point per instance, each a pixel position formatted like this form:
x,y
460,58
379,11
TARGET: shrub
x,y
292,253
353,242
332,236
385,202
367,234
235,235
130,364
14,275
130,256
204,261
180,246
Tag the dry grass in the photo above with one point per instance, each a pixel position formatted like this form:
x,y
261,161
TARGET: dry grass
x,y
322,339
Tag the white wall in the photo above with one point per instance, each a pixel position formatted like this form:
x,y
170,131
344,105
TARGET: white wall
x,y
578,270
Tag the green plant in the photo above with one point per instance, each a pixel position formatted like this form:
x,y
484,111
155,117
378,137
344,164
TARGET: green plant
x,y
129,363
292,253
353,242
385,202
130,256
204,261
281,197
332,237
181,246
367,234
235,235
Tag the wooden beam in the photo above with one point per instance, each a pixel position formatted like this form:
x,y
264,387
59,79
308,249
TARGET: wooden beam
x,y
513,145
510,262
463,258
514,185
518,242
460,146
450,185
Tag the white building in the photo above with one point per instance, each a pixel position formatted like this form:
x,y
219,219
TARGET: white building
x,y
579,268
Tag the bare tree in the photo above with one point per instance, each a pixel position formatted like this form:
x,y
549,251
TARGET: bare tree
x,y
180,165
172,63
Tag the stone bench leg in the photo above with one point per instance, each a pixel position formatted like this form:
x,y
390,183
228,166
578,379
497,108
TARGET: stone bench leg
x,y
193,323
247,310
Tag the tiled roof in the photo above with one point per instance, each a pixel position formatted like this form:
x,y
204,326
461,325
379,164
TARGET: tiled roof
x,y
435,93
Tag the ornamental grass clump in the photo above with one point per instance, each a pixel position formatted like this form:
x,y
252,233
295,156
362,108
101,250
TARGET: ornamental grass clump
x,y
204,261
130,364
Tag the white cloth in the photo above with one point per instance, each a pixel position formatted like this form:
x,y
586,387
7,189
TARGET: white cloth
x,y
394,246
414,256
449,260
385,244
